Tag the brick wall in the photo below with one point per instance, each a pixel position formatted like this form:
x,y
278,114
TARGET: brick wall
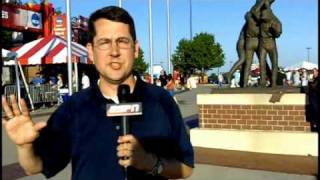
x,y
254,117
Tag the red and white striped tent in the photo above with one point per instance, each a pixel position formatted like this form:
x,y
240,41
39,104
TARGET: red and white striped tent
x,y
50,50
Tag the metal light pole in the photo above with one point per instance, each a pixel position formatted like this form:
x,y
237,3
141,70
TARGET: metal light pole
x,y
120,3
69,47
170,70
150,41
190,18
308,52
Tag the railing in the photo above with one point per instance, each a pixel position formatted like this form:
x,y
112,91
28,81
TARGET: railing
x,y
44,93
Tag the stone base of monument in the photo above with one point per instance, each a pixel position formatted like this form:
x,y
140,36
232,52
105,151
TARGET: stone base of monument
x,y
256,131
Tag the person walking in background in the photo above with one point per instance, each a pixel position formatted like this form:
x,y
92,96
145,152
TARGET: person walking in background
x,y
296,78
85,81
233,82
289,78
79,131
313,112
220,80
237,77
170,86
304,78
314,75
60,81
53,80
147,78
163,78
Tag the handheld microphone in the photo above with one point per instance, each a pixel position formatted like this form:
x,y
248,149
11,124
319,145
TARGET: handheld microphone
x,y
123,94
123,110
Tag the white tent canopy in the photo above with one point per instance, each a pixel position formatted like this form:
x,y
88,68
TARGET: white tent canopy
x,y
302,65
48,50
4,52
5,57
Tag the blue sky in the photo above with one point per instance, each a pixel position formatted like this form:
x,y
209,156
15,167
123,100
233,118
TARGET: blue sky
x,y
222,18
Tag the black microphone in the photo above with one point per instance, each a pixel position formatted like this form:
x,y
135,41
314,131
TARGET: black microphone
x,y
123,95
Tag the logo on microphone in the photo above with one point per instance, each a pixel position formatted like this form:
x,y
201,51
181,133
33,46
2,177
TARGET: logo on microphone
x,y
124,109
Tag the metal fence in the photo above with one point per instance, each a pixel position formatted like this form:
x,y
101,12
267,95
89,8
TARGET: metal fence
x,y
44,93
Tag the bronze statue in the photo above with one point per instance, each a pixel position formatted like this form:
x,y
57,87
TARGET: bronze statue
x,y
246,46
270,29
258,35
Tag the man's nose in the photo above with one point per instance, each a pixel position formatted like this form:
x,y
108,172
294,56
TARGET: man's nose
x,y
114,49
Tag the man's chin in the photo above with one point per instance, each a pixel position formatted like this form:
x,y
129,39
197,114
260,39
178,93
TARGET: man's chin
x,y
116,80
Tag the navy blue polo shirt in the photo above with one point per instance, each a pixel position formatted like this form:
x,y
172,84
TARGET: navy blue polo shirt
x,y
80,131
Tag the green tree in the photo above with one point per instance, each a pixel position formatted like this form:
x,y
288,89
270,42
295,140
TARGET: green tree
x,y
181,59
201,53
139,65
206,53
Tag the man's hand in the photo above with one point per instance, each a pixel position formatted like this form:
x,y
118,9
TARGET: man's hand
x,y
131,153
18,124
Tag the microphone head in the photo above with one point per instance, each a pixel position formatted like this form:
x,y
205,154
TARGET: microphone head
x,y
123,92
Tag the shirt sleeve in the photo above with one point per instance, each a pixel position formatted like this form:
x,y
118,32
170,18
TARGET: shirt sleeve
x,y
179,133
54,143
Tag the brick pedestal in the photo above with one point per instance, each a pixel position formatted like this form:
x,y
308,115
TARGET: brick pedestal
x,y
253,111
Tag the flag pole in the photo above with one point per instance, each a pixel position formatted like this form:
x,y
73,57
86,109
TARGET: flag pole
x,y
69,47
150,41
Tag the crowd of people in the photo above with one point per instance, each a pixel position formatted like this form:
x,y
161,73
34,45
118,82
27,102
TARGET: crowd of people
x,y
173,82
299,78
58,82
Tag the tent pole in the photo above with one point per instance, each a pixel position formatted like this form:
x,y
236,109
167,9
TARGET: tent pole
x,y
76,74
26,85
17,80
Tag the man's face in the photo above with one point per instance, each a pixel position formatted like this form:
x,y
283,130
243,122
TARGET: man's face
x,y
113,51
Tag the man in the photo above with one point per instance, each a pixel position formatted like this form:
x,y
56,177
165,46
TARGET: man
x,y
163,78
237,77
158,146
38,79
220,80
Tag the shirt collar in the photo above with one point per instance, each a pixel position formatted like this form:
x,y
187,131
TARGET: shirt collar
x,y
135,96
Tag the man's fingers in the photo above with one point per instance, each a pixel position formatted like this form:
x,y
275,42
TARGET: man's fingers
x,y
39,125
125,146
24,108
127,138
124,153
125,162
15,108
6,107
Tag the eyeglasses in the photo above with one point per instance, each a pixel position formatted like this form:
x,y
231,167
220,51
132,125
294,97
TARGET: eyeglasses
x,y
121,42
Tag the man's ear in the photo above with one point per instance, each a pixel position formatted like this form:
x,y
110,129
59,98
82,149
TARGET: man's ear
x,y
90,51
136,49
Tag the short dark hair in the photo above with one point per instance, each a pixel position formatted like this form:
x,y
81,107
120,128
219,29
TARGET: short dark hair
x,y
112,13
